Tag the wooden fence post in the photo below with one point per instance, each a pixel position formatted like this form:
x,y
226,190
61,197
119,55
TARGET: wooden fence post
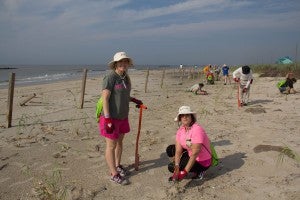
x,y
83,88
10,99
146,83
162,78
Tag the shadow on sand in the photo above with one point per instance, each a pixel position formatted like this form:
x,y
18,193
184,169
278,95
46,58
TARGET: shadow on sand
x,y
226,164
260,101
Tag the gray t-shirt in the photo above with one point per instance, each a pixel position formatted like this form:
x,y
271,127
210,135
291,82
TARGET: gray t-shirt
x,y
120,87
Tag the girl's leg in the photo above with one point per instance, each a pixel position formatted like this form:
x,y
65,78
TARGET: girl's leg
x,y
119,150
170,150
110,155
197,168
183,160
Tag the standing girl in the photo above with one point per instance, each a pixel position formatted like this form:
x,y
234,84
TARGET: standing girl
x,y
113,122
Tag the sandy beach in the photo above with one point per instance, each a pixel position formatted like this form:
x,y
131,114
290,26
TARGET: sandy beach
x,y
55,147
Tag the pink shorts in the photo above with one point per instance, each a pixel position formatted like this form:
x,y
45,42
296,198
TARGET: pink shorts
x,y
121,127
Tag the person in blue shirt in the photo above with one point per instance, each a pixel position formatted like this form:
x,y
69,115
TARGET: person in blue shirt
x,y
225,71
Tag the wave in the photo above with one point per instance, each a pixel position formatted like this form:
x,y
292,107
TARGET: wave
x,y
48,78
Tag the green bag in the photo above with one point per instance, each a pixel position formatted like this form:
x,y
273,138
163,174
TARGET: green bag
x,y
281,83
99,108
214,156
213,153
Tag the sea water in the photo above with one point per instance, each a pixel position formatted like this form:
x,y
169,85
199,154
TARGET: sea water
x,y
39,74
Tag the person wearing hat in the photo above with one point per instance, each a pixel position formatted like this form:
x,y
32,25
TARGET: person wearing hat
x,y
113,123
225,71
191,151
243,76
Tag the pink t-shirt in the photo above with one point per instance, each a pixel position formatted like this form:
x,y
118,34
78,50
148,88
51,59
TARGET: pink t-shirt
x,y
195,135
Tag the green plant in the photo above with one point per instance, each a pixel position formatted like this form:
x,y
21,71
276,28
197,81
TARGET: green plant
x,y
287,151
24,120
74,97
273,70
51,187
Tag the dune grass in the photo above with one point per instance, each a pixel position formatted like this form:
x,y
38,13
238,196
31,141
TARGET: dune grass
x,y
276,70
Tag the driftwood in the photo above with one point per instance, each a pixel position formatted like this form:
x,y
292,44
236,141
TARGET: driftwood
x,y
27,99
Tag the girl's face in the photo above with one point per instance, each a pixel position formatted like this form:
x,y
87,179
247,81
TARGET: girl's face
x,y
122,65
186,119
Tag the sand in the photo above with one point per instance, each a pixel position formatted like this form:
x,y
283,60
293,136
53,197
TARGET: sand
x,y
54,148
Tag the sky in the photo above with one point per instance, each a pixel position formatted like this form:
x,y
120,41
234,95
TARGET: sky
x,y
151,32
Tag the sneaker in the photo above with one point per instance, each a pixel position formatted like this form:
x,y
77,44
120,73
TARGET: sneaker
x,y
122,171
119,179
199,176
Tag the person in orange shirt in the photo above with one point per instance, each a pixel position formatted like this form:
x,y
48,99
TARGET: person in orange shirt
x,y
206,69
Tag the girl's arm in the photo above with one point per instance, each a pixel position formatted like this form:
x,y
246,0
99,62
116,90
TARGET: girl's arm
x,y
196,148
105,96
178,153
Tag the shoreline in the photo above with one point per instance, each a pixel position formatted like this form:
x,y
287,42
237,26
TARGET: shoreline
x,y
44,79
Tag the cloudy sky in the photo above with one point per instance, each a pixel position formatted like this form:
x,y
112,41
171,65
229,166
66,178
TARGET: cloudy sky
x,y
191,32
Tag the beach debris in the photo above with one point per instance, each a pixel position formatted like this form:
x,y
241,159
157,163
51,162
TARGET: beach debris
x,y
3,166
27,99
58,155
97,147
47,129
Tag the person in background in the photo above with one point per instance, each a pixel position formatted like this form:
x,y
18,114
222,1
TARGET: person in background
x,y
217,71
225,71
244,77
287,86
191,152
206,69
210,78
197,89
113,123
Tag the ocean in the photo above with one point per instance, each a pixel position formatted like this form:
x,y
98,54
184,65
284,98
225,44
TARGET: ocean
x,y
39,74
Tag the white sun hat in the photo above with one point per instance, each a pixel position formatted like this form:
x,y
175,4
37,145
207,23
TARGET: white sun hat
x,y
185,110
117,57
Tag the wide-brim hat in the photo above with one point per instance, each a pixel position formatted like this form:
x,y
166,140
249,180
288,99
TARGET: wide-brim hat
x,y
117,57
183,110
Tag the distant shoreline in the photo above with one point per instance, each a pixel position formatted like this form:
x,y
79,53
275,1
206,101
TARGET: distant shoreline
x,y
8,68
